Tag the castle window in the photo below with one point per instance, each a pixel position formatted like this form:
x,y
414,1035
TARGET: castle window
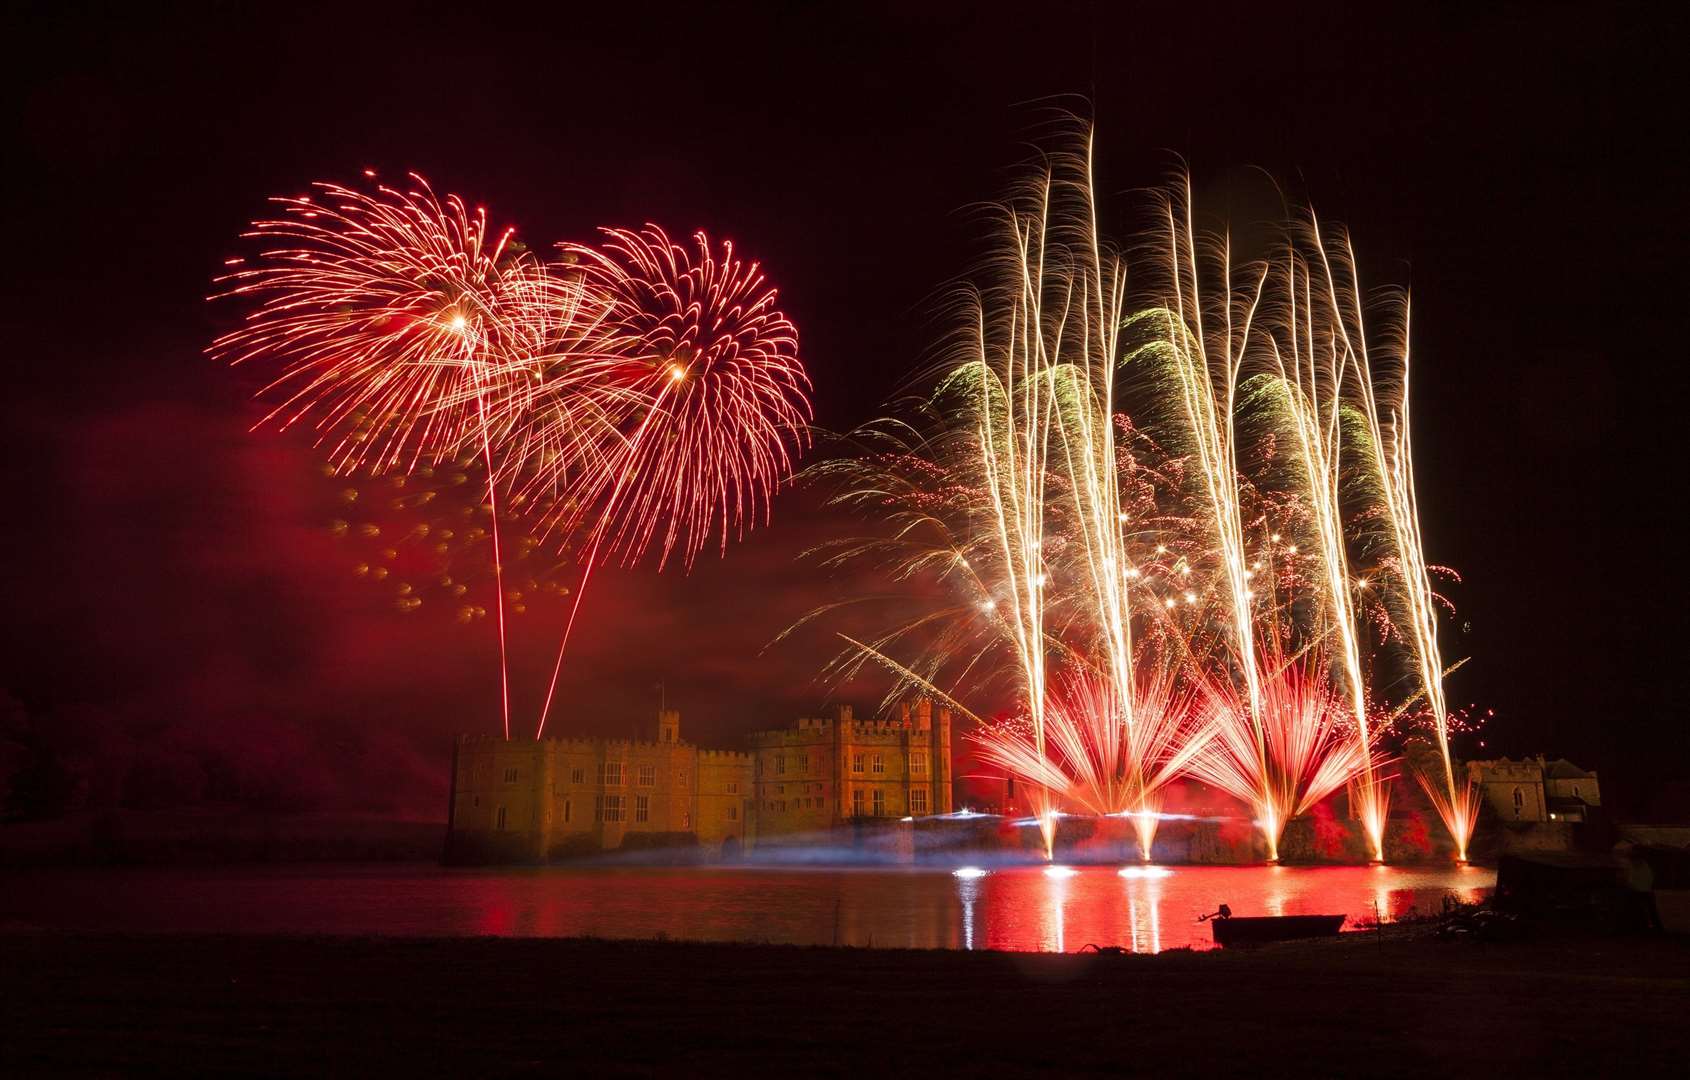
x,y
499,819
648,775
733,813
918,801
610,808
856,763
510,776
857,803
879,803
733,787
1519,801
780,789
686,819
879,764
804,764
642,807
577,775
477,801
610,773
780,763
918,762
566,809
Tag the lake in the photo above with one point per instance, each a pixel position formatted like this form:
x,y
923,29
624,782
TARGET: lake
x,y
1147,909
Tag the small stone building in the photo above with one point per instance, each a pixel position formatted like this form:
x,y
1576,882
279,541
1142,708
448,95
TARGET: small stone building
x,y
1533,789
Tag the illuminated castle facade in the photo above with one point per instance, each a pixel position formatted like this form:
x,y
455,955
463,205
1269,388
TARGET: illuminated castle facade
x,y
557,797
1532,789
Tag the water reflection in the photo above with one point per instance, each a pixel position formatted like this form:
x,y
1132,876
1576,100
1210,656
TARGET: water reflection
x,y
968,889
1144,908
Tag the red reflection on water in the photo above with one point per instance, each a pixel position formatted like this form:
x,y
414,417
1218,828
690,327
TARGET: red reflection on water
x,y
1146,909
1154,908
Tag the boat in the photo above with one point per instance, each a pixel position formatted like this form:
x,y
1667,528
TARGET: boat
x,y
1261,929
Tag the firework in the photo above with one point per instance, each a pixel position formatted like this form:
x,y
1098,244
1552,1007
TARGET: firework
x,y
390,313
1094,762
1314,369
1183,605
709,405
425,539
1382,372
633,395
713,407
1287,750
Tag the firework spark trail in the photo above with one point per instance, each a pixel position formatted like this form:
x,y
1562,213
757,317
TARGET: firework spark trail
x,y
718,399
588,563
1458,804
1093,478
385,311
1091,760
1299,753
1028,516
1013,430
1050,379
1208,361
390,313
635,388
1133,665
1392,461
1312,372
720,407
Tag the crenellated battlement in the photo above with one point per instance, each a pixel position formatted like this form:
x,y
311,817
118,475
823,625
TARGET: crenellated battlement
x,y
567,743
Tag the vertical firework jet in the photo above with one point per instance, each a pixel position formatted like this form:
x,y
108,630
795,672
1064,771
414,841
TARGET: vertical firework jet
x,y
1156,621
1383,404
1046,351
1313,368
1205,341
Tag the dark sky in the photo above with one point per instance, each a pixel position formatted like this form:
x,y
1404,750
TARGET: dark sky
x,y
1523,170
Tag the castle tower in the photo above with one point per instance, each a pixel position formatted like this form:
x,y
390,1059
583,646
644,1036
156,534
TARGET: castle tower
x,y
842,722
943,796
669,726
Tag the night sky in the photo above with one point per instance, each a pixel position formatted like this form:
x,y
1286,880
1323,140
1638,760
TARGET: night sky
x,y
169,574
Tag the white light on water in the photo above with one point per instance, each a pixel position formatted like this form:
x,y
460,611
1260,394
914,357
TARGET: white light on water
x,y
1060,871
1146,871
968,873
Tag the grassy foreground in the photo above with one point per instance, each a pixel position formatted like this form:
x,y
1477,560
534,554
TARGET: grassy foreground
x,y
99,1005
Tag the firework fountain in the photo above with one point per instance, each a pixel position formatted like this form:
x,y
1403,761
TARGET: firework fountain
x,y
1382,376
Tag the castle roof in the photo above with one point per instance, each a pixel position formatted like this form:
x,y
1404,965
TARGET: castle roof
x,y
1562,769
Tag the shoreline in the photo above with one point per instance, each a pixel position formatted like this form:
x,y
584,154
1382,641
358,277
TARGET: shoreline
x,y
269,1005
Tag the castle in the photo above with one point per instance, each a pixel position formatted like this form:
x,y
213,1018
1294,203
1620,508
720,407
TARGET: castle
x,y
536,801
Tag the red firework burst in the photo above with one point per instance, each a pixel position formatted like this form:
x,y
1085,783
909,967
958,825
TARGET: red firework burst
x,y
713,407
390,314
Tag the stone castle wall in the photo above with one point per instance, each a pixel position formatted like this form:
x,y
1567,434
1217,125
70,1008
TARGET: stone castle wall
x,y
560,796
